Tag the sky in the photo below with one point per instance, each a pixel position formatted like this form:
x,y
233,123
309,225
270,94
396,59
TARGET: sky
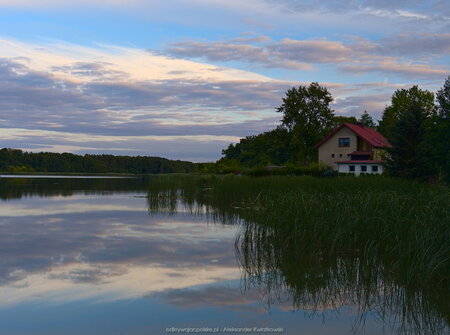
x,y
184,79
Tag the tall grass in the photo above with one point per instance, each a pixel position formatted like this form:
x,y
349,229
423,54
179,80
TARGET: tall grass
x,y
407,225
405,222
373,241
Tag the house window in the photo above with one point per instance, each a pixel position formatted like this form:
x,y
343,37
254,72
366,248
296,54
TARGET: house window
x,y
363,168
332,155
374,168
351,168
340,155
344,141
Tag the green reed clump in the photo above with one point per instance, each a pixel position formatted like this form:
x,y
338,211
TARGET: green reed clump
x,y
406,222
315,170
408,227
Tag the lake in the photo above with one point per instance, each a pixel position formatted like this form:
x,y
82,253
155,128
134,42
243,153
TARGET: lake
x,y
111,256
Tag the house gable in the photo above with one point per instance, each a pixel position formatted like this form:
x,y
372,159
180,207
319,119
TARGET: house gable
x,y
374,138
331,152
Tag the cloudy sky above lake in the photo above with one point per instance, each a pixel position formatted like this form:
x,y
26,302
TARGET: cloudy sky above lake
x,y
183,79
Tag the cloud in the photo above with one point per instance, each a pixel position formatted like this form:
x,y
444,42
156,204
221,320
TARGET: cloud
x,y
419,6
251,38
313,51
407,44
97,70
357,104
126,100
151,106
63,59
192,110
224,51
214,296
405,69
301,54
112,97
288,53
406,8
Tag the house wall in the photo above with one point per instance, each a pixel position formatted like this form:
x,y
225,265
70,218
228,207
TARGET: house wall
x,y
332,147
345,168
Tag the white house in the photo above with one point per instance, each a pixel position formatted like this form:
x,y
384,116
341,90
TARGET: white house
x,y
353,148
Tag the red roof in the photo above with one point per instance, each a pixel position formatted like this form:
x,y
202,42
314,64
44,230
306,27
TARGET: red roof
x,y
369,134
361,162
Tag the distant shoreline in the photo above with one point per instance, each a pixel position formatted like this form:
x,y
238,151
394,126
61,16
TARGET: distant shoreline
x,y
65,174
16,161
60,175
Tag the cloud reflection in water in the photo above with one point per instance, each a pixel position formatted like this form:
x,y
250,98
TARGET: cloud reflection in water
x,y
105,247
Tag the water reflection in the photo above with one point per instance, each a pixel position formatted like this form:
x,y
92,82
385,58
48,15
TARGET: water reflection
x,y
325,284
96,239
17,187
179,248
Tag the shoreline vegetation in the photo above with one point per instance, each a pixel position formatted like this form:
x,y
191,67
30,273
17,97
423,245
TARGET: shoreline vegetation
x,y
17,161
381,244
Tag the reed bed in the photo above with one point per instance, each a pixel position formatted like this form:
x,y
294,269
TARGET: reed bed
x,y
373,241
409,228
407,223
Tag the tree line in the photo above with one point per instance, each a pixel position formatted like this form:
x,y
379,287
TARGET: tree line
x,y
416,123
15,160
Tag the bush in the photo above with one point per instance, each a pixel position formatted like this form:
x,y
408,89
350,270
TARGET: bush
x,y
314,170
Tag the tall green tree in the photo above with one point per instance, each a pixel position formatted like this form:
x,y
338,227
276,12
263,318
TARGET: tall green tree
x,y
366,120
436,145
401,101
308,117
413,109
443,98
268,148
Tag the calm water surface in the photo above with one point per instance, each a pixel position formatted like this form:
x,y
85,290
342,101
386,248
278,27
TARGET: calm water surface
x,y
92,256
